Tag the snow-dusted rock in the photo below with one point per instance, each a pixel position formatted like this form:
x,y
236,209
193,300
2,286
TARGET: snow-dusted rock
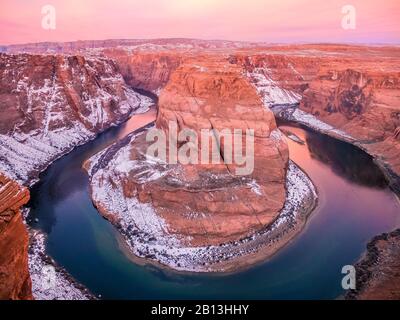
x,y
50,104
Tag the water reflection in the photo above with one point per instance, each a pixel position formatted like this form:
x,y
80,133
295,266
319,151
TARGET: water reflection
x,y
345,160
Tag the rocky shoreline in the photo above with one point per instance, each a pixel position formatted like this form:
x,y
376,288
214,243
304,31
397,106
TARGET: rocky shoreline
x,y
50,281
59,110
377,273
66,288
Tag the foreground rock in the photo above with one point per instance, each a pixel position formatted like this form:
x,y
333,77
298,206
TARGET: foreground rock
x,y
50,104
15,282
202,217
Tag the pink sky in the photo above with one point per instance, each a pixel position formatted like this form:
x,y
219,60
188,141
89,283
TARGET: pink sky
x,y
378,21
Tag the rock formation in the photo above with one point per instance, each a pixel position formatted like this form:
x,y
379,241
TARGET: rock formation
x,y
207,95
194,205
171,213
15,282
50,104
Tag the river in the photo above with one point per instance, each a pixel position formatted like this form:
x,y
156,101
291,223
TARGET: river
x,y
354,205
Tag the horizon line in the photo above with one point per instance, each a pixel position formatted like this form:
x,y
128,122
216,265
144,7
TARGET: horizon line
x,y
210,40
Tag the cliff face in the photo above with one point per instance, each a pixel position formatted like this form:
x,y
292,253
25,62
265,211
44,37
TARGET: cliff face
x,y
15,282
49,104
362,103
279,78
145,69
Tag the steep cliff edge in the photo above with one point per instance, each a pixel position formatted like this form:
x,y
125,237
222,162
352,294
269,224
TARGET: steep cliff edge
x,y
201,216
15,282
50,104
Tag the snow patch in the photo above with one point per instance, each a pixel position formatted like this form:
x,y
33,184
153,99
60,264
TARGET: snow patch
x,y
270,92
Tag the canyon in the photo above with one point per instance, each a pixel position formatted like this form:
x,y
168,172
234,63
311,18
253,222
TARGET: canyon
x,y
58,96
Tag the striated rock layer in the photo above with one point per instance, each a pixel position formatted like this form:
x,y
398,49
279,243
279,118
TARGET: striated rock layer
x,y
175,206
15,282
350,91
50,104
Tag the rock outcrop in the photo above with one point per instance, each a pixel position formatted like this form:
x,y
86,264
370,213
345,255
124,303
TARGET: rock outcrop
x,y
378,273
50,104
163,205
15,282
207,95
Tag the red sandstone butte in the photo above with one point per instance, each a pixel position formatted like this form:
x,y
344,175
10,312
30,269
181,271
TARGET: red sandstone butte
x,y
210,204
